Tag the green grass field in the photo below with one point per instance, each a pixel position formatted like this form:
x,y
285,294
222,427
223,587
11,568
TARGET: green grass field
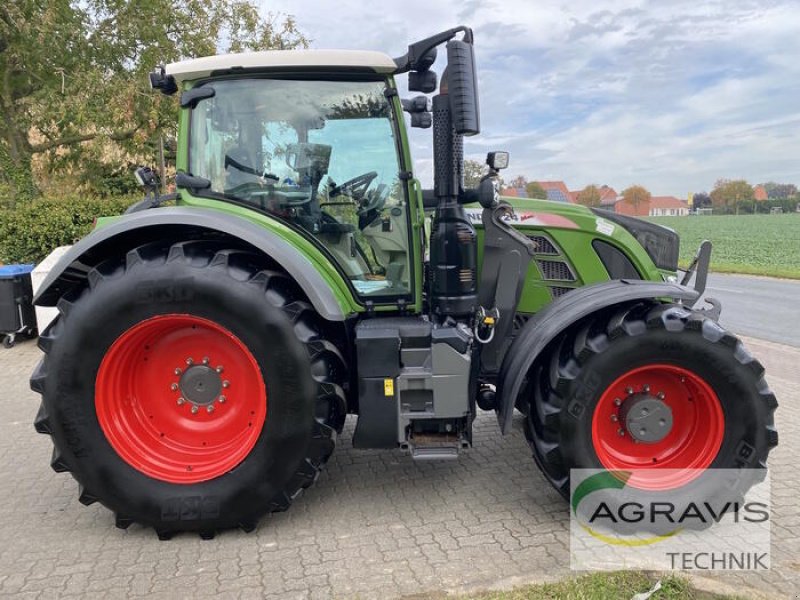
x,y
751,244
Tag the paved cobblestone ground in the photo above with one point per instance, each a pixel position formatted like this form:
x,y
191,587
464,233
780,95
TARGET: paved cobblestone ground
x,y
376,525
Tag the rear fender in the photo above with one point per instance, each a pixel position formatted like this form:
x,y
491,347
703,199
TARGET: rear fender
x,y
547,324
129,230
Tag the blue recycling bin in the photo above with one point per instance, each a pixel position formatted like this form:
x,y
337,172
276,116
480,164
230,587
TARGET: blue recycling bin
x,y
17,315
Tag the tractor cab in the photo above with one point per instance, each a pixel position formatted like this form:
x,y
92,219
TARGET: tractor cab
x,y
320,152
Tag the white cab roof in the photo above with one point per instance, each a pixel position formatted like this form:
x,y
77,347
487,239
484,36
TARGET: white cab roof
x,y
198,68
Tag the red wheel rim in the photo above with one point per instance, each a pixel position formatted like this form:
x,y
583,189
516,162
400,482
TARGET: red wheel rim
x,y
692,444
180,398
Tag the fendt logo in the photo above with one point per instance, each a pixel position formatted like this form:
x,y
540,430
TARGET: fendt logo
x,y
617,521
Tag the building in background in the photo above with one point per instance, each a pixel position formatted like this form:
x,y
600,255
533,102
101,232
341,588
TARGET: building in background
x,y
657,206
557,191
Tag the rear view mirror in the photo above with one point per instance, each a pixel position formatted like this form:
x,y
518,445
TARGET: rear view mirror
x,y
463,87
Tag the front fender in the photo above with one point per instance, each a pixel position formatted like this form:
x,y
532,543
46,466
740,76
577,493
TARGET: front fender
x,y
547,324
121,234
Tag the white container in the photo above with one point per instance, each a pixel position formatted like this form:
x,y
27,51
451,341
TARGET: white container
x,y
46,314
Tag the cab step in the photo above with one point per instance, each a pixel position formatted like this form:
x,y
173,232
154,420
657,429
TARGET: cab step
x,y
436,446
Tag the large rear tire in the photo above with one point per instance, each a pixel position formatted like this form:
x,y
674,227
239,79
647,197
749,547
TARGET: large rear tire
x,y
718,407
188,387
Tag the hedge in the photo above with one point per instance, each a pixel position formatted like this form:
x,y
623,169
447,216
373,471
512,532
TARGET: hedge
x,y
33,229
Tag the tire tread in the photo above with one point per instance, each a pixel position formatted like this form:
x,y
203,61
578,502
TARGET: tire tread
x,y
571,351
282,293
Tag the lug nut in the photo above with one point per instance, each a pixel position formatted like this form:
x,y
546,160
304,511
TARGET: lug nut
x,y
629,391
621,431
646,388
210,408
226,384
221,399
660,395
194,410
181,401
617,402
174,387
189,361
178,371
206,360
220,369
614,418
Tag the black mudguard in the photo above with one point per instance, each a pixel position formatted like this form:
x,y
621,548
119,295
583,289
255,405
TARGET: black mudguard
x,y
544,326
136,228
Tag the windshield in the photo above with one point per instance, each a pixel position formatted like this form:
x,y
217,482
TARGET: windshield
x,y
319,154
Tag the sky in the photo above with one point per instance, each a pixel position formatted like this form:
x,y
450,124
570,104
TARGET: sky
x,y
671,95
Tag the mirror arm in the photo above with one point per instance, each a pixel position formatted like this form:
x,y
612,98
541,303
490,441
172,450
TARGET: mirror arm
x,y
416,51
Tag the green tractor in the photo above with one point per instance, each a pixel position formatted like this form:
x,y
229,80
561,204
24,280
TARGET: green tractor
x,y
210,344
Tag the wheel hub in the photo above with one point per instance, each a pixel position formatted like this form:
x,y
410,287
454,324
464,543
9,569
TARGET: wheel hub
x,y
646,418
201,385
628,433
180,398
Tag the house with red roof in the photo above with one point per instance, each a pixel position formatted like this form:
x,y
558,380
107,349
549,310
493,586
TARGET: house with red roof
x,y
668,206
557,191
608,195
657,206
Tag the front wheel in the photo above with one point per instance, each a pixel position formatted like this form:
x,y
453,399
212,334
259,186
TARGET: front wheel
x,y
655,387
189,388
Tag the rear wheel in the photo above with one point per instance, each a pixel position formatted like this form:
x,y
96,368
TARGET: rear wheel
x,y
189,388
655,387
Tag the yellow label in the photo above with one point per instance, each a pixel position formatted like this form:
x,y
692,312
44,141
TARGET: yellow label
x,y
388,387
488,320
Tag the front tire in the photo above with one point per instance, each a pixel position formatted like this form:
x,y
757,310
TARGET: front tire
x,y
189,388
718,408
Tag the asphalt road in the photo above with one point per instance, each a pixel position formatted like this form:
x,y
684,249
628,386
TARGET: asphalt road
x,y
761,307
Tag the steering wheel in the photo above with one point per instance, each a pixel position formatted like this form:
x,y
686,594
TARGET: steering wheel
x,y
357,186
375,199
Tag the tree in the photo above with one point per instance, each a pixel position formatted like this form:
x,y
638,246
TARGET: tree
x,y
534,190
589,196
74,73
520,181
701,200
731,194
473,172
636,195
